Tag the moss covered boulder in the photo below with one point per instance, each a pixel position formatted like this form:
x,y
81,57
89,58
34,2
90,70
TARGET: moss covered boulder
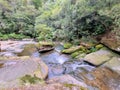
x,y
45,43
100,57
99,46
73,49
75,54
67,45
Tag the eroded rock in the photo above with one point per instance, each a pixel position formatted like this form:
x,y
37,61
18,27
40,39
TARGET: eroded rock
x,y
111,40
104,79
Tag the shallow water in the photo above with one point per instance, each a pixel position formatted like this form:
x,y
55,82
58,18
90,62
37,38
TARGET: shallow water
x,y
60,64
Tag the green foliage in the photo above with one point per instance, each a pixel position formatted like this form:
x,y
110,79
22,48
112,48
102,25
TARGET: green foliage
x,y
37,3
17,18
12,36
74,19
45,32
115,13
67,20
30,79
67,45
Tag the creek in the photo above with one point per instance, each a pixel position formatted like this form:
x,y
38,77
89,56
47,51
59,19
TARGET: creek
x,y
60,64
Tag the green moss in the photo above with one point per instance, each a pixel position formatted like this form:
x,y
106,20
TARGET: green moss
x,y
69,85
44,43
73,49
99,46
81,56
76,54
28,50
73,85
30,79
67,45
93,49
12,36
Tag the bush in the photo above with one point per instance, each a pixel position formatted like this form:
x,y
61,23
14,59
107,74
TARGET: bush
x,y
12,36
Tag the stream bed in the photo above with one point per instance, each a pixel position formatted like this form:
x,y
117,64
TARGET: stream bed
x,y
19,58
60,64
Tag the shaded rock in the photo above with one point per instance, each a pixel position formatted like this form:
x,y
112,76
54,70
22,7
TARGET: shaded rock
x,y
13,70
45,49
114,64
99,57
73,49
103,79
111,40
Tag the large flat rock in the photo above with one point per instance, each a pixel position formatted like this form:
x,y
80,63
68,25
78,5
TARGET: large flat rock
x,y
99,57
114,64
12,69
17,48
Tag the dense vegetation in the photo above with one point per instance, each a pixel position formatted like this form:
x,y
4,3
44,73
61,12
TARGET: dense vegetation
x,y
58,19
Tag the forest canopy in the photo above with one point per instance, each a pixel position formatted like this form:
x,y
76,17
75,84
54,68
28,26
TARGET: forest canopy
x,y
58,19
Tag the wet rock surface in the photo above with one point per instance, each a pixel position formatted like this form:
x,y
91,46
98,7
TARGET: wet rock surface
x,y
22,67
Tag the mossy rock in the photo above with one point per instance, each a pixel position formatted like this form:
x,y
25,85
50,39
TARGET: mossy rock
x,y
75,54
73,49
44,43
28,79
28,50
81,56
67,45
70,86
99,46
